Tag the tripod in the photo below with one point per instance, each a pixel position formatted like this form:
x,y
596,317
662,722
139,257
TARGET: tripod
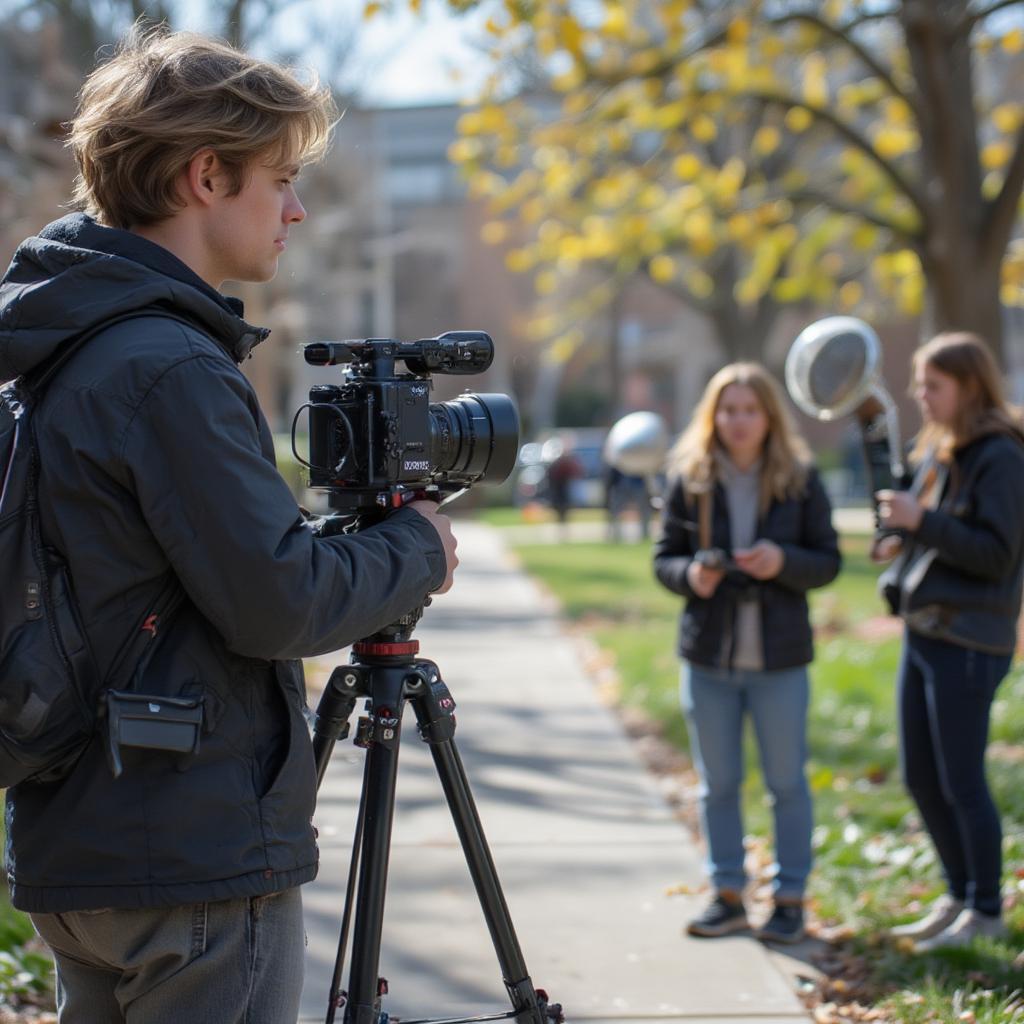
x,y
385,670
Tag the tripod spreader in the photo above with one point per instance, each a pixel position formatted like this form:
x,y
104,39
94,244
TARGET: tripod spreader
x,y
388,674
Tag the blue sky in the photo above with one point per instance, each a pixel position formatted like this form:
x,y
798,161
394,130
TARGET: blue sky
x,y
407,59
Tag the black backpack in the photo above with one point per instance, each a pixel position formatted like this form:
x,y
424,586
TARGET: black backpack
x,y
51,696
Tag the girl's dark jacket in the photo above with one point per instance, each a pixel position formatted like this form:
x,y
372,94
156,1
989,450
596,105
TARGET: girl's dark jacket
x,y
959,576
157,463
802,528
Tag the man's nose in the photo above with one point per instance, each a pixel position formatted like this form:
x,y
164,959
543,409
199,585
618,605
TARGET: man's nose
x,y
295,212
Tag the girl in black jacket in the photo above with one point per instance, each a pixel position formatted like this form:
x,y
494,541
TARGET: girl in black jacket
x,y
747,531
957,585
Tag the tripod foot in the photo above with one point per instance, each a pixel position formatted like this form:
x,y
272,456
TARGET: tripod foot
x,y
553,1011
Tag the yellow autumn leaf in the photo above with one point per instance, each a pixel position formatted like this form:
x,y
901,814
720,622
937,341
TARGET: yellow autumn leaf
x,y
747,291
864,237
704,128
532,210
1007,116
766,140
700,283
851,294
506,156
1013,41
992,184
911,295
563,348
893,141
686,167
518,260
463,150
798,119
662,269
569,80
832,263
616,22
545,282
789,289
494,232
815,80
740,227
897,110
995,155
1012,294
570,34
372,9
738,31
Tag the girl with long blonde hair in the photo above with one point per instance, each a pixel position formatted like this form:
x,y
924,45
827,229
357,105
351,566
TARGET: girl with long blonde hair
x,y
957,586
747,531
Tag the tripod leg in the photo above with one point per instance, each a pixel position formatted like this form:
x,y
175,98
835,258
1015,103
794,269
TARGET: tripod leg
x,y
387,699
434,708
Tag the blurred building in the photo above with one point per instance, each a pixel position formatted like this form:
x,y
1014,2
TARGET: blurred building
x,y
391,248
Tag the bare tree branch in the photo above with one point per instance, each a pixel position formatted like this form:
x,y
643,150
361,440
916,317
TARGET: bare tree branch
x,y
867,17
807,195
972,18
843,36
851,135
1001,214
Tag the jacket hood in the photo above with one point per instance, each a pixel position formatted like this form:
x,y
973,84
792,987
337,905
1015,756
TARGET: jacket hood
x,y
76,273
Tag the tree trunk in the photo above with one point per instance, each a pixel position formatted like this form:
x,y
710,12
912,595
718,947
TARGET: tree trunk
x,y
963,295
741,331
960,267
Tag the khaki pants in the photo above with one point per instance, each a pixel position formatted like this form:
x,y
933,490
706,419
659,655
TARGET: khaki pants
x,y
231,962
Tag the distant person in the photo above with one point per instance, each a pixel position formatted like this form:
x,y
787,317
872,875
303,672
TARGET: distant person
x,y
623,492
747,532
563,469
957,585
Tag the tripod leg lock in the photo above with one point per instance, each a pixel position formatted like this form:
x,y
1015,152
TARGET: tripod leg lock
x,y
531,1005
435,712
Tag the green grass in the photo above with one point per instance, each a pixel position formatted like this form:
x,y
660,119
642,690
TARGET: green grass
x,y
26,970
874,865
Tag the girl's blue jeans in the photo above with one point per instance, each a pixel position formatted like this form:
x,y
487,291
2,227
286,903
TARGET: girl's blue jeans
x,y
945,698
716,702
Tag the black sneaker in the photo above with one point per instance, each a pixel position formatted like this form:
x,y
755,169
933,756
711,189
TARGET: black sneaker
x,y
785,925
722,916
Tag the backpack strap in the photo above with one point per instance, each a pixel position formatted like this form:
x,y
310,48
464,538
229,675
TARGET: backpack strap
x,y
36,381
138,648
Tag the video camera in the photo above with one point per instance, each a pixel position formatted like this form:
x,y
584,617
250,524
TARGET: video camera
x,y
376,438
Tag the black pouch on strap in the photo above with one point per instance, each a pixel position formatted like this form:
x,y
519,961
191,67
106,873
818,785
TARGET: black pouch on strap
x,y
173,724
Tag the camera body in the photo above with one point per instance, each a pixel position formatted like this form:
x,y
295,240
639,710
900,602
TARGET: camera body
x,y
377,436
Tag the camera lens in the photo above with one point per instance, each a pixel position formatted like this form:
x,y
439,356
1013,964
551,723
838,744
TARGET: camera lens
x,y
474,437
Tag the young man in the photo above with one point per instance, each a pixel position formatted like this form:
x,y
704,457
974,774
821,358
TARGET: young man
x,y
172,891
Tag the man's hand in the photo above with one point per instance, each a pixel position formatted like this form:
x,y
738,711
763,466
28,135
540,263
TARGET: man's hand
x,y
703,581
898,510
763,561
443,525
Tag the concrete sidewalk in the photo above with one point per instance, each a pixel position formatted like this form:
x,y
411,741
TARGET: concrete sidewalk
x,y
584,844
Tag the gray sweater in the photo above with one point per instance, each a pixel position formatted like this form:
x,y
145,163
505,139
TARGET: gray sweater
x,y
742,493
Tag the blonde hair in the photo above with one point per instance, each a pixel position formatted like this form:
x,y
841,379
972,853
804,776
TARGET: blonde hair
x,y
983,407
786,457
162,98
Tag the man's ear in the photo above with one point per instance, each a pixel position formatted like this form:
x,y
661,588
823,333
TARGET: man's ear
x,y
205,179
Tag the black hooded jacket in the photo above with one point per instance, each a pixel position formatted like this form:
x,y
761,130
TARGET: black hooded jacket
x,y
158,464
803,530
960,574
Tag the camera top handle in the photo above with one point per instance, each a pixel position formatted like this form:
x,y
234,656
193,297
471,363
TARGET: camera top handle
x,y
455,352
